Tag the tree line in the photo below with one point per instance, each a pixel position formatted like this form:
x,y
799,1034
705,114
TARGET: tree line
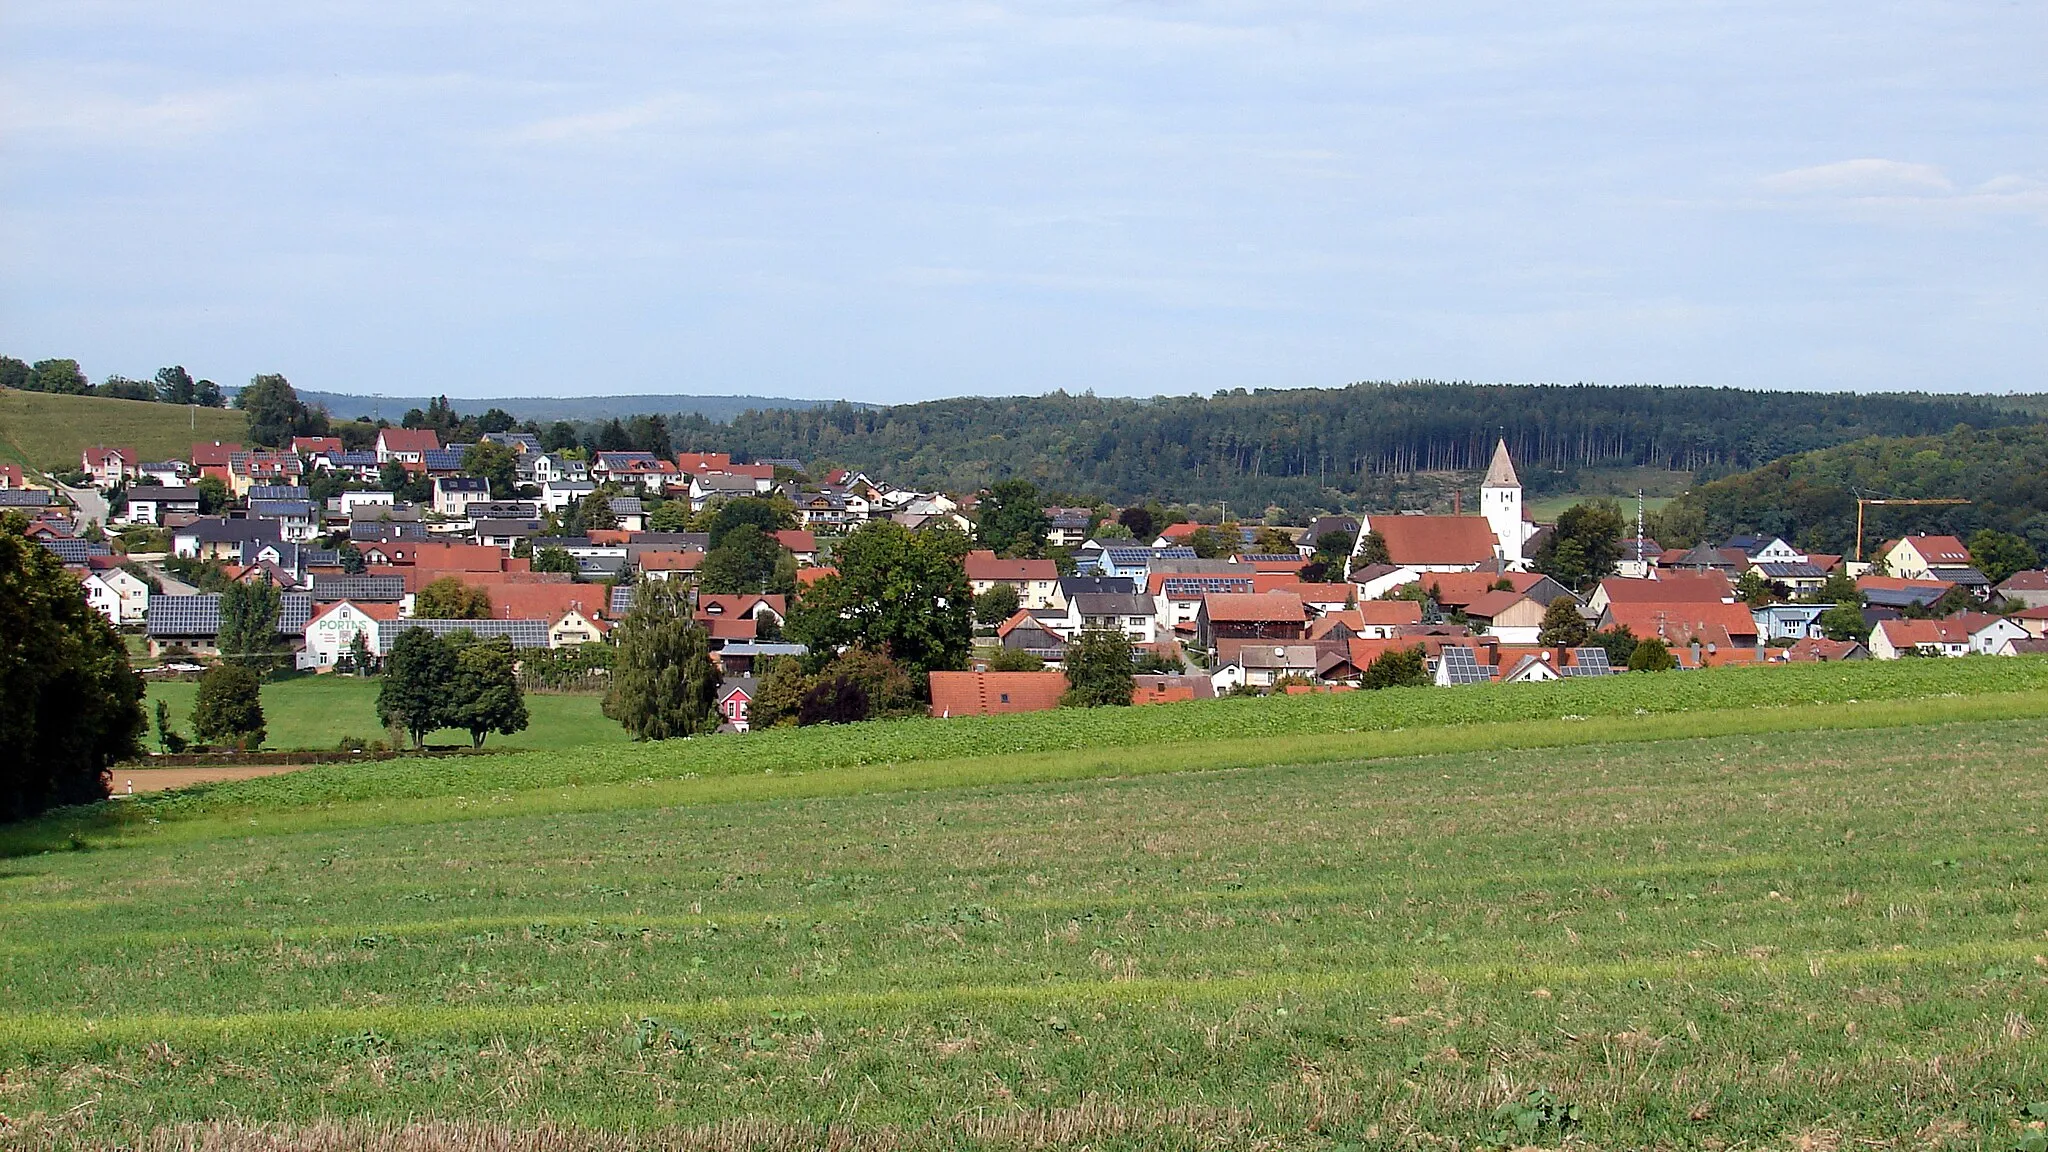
x,y
1310,449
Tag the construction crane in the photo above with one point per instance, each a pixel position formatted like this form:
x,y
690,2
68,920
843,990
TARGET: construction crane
x,y
1863,502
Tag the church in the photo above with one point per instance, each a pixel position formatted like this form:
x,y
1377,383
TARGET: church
x,y
1496,539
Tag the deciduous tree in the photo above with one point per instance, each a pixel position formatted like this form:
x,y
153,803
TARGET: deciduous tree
x,y
663,684
1397,668
1099,671
1563,626
484,695
69,704
996,605
448,598
229,707
1011,520
894,590
414,695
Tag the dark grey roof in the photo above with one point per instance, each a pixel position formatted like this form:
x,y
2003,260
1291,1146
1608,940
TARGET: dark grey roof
x,y
1463,667
673,541
278,492
274,509
394,512
216,530
73,550
1071,586
1967,577
353,459
1182,566
160,494
1324,525
24,498
200,615
385,532
762,649
1113,604
369,589
1789,570
507,527
522,633
462,483
727,482
1589,662
502,510
1271,557
1901,597
443,459
626,506
319,557
609,459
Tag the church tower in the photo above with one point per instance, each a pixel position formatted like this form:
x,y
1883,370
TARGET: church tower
x,y
1500,501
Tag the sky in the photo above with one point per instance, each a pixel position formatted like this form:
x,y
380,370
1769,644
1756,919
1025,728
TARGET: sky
x,y
898,201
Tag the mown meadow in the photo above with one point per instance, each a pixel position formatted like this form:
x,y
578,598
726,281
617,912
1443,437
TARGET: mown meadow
x,y
318,712
1773,923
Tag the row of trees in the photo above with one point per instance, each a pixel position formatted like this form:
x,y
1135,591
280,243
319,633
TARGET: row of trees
x,y
171,385
1309,449
455,681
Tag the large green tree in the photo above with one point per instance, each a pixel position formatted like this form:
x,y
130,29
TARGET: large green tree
x,y
1397,668
276,414
496,464
483,694
747,561
763,513
448,598
228,708
174,385
897,591
249,614
58,375
1011,520
663,684
413,697
1563,625
1585,545
1099,672
69,704
2000,554
1844,621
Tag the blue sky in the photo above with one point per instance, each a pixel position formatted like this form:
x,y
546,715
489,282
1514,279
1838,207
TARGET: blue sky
x,y
900,201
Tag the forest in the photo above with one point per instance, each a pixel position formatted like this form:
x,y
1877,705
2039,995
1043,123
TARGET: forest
x,y
1305,450
1810,498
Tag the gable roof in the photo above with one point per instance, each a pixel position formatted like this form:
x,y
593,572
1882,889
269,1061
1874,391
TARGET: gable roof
x,y
1255,607
1669,588
1435,539
1942,550
994,693
985,565
408,439
1679,622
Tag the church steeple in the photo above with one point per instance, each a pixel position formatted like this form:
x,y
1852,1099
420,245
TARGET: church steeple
x,y
1501,473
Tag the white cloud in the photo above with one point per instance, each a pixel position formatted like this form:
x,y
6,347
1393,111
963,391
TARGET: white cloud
x,y
1868,177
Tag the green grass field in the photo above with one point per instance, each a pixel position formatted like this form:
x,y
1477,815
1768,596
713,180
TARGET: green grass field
x,y
1730,921
319,711
49,431
1658,485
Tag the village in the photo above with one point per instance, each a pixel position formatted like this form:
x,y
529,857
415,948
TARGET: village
x,y
558,554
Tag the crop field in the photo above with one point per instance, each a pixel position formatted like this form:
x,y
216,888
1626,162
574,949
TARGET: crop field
x,y
1756,923
48,431
317,712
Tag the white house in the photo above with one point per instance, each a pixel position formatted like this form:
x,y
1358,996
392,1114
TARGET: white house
x,y
350,501
453,494
333,629
109,466
153,505
558,495
119,596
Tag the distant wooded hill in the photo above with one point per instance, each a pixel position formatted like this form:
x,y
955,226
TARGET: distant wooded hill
x,y
1810,499
546,409
1310,449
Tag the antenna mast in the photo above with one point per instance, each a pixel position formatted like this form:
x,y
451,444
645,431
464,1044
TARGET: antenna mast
x,y
1639,526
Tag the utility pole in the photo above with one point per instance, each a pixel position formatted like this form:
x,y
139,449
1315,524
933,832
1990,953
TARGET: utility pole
x,y
1639,527
1862,503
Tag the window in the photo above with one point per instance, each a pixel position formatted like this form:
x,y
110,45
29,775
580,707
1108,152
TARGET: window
x,y
1006,697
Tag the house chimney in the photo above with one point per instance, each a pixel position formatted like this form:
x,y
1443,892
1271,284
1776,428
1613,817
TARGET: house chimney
x,y
1457,502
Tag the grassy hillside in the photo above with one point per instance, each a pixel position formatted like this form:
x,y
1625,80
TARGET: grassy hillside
x,y
49,431
1684,943
318,711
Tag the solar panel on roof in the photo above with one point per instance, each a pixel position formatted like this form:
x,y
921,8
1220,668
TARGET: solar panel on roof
x,y
1589,662
183,615
1462,667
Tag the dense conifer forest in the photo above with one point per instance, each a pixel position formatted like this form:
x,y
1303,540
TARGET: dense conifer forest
x,y
1309,449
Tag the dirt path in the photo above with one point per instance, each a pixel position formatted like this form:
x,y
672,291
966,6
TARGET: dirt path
x,y
127,780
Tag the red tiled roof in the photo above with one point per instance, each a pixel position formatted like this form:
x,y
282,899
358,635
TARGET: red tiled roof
x,y
2026,582
1814,649
703,461
995,693
213,455
1670,588
721,628
1913,633
1181,530
1255,607
312,444
375,610
1945,550
810,576
1457,589
1492,604
797,540
670,561
984,565
545,601
719,604
1435,539
1393,612
1676,623
408,439
1900,584
458,557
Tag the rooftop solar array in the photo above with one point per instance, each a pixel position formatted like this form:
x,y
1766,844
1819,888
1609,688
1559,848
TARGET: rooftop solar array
x,y
184,615
622,600
24,498
1462,667
1189,587
278,492
442,459
279,508
382,589
73,550
1588,662
522,633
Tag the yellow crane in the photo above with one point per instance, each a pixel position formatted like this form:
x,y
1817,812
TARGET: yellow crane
x,y
1862,503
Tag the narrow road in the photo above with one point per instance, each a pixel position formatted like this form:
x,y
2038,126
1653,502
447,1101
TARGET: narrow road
x,y
92,507
171,585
